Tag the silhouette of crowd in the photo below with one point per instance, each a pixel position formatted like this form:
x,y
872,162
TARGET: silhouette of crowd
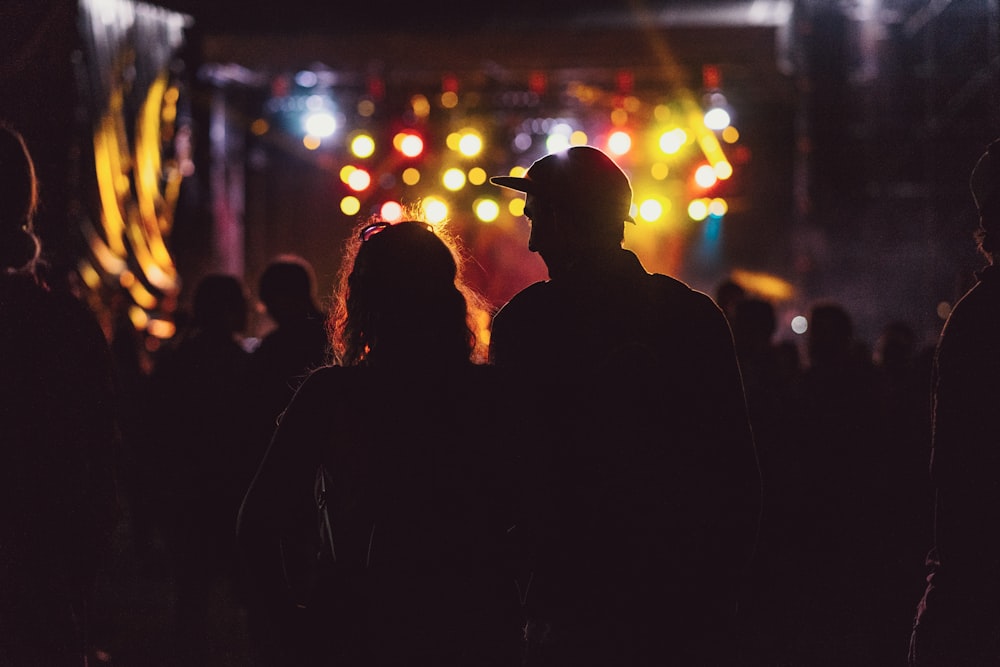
x,y
612,468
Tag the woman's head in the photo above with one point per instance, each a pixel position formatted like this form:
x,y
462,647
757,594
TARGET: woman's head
x,y
18,201
401,300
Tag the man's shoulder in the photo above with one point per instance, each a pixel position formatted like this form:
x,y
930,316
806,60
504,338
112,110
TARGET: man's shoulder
x,y
534,296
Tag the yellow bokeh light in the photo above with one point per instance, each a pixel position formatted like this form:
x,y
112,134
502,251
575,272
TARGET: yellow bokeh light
x,y
477,176
718,207
359,180
723,169
659,171
435,210
363,145
764,284
730,135
260,127
650,210
705,176
579,138
662,113
449,99
391,211
350,205
162,329
91,278
345,173
409,144
698,210
471,144
518,171
516,207
619,117
486,209
620,142
453,179
421,106
311,142
411,176
673,140
141,295
138,317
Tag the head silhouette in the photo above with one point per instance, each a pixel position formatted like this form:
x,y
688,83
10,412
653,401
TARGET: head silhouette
x,y
400,300
220,304
830,335
18,201
577,201
287,288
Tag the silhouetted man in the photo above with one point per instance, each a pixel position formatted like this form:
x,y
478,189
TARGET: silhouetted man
x,y
958,619
641,488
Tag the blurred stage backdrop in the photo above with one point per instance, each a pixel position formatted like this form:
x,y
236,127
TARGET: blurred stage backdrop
x,y
806,149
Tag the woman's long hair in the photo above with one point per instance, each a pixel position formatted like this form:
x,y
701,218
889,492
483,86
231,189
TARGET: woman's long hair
x,y
401,300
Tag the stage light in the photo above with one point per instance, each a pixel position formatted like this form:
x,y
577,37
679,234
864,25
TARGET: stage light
x,y
718,207
408,143
350,205
486,209
391,211
435,210
620,142
557,142
306,79
698,210
320,124
717,119
411,176
162,329
359,180
477,176
723,170
363,145
673,140
453,179
471,144
705,176
650,210
421,106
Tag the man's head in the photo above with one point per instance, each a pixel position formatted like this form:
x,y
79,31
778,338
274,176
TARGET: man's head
x,y
574,198
985,185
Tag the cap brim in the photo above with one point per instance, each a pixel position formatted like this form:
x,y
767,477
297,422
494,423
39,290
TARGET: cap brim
x,y
515,183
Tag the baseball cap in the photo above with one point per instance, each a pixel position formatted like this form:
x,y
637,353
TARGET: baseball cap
x,y
578,177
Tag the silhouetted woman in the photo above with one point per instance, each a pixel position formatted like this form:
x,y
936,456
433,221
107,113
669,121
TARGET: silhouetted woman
x,y
412,567
58,432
